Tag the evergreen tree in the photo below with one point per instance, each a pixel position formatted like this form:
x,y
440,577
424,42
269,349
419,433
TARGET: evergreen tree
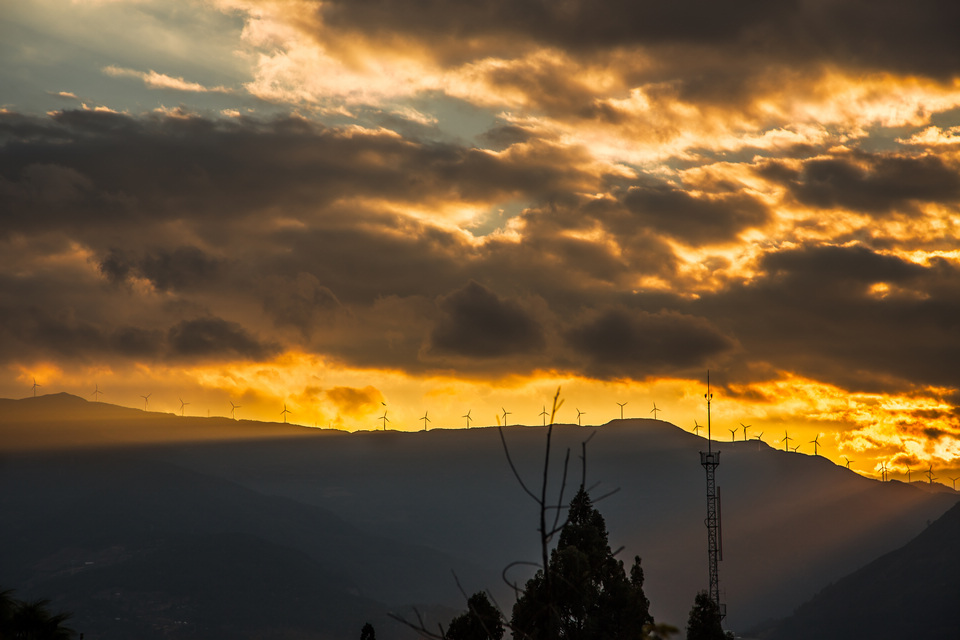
x,y
367,633
481,622
704,621
584,594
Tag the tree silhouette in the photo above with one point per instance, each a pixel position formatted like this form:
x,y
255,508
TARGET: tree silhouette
x,y
584,594
367,633
481,622
33,621
704,621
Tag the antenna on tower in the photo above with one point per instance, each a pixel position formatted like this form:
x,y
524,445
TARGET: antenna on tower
x,y
710,461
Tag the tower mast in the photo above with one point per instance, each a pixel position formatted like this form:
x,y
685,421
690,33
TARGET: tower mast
x,y
710,461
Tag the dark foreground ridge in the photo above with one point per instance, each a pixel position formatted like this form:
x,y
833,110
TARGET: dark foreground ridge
x,y
161,519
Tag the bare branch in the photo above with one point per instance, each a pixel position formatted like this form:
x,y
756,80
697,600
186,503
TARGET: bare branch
x,y
513,467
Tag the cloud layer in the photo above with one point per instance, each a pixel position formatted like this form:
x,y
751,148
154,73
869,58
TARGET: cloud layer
x,y
611,192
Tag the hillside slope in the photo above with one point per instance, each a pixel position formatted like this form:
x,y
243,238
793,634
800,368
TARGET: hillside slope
x,y
912,592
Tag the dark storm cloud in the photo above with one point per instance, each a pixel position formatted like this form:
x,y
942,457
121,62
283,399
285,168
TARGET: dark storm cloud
x,y
203,337
916,38
179,268
849,316
693,219
477,323
875,184
633,343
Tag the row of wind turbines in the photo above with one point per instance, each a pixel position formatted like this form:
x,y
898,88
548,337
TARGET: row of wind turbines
x,y
383,419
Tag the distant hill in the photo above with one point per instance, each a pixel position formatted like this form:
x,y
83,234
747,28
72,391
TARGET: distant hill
x,y
913,592
384,518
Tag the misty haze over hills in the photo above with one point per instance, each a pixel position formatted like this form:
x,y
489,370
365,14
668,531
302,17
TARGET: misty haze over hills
x,y
202,527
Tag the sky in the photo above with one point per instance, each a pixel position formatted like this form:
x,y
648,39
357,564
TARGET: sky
x,y
441,209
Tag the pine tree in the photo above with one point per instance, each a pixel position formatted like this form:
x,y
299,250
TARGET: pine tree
x,y
585,593
367,633
704,621
481,622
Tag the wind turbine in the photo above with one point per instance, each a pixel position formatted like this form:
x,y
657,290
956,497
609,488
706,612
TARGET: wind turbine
x,y
908,475
622,404
794,449
745,427
849,461
815,444
505,414
146,399
96,393
954,481
883,472
579,413
285,412
384,418
929,474
655,410
233,410
182,405
696,428
35,385
467,416
786,441
733,434
544,414
425,420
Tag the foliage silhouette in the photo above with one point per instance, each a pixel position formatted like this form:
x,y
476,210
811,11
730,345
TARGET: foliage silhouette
x,y
704,621
368,633
31,620
481,622
584,594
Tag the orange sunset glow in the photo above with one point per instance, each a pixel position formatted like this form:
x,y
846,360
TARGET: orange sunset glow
x,y
368,209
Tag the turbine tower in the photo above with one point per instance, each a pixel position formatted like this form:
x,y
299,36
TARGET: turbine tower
x,y
815,444
710,461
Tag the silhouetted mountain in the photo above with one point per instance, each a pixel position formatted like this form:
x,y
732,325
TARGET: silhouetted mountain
x,y
908,593
392,514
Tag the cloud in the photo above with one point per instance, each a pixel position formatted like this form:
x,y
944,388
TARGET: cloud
x,y
355,401
635,344
477,323
154,80
876,184
206,337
